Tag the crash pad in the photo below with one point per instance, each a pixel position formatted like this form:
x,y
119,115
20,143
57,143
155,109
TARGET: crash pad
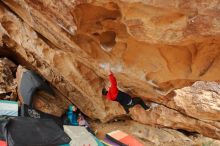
x,y
123,138
9,108
28,111
4,120
108,142
80,136
23,131
3,143
28,83
98,141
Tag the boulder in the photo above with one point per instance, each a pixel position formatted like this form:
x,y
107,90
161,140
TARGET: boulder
x,y
166,117
200,101
7,82
154,47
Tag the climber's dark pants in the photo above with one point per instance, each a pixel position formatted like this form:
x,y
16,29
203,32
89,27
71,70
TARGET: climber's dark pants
x,y
135,101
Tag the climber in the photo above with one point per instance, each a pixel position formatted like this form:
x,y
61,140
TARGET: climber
x,y
123,98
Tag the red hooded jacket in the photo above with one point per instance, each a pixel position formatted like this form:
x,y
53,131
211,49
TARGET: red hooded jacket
x,y
113,90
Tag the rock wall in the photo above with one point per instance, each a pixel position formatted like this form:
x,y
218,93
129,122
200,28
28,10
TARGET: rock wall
x,y
156,44
154,47
7,82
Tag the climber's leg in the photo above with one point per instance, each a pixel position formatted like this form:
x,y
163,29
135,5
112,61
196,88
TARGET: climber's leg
x,y
138,100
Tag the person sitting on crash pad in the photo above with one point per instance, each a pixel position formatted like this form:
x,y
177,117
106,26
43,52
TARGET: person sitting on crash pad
x,y
72,115
114,94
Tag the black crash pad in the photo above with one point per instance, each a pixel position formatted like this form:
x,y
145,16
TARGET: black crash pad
x,y
28,111
24,131
29,84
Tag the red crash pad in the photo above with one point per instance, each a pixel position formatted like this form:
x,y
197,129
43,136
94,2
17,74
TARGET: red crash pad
x,y
3,143
123,138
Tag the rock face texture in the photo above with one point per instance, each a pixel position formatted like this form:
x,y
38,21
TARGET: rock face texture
x,y
194,108
166,117
7,82
159,45
154,47
201,100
